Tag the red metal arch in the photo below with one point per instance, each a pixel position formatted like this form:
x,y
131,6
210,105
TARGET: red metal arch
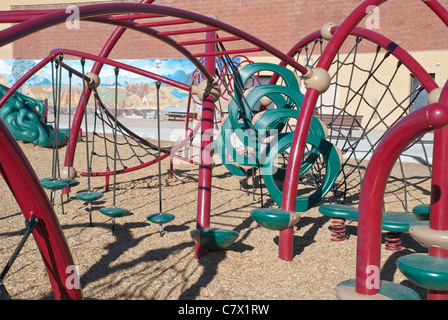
x,y
100,11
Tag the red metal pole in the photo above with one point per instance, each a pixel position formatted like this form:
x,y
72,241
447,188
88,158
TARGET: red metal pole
x,y
33,201
374,183
205,167
306,112
439,193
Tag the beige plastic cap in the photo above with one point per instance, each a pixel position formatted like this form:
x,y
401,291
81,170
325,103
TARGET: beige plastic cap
x,y
325,31
94,81
434,96
205,88
317,78
69,173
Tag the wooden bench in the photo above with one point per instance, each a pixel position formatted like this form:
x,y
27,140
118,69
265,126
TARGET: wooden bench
x,y
173,113
341,121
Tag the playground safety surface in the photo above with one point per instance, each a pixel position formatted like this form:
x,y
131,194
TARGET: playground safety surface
x,y
136,263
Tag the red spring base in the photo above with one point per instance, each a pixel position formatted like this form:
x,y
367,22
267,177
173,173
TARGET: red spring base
x,y
393,241
337,229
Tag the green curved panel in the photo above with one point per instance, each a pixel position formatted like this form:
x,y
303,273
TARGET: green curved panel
x,y
249,70
214,238
23,116
271,218
331,158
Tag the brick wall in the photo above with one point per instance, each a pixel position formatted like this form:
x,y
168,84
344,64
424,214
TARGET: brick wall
x,y
280,23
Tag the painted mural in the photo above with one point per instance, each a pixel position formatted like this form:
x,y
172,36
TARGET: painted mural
x,y
136,94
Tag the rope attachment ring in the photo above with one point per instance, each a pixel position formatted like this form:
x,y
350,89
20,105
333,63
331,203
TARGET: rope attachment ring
x,y
205,88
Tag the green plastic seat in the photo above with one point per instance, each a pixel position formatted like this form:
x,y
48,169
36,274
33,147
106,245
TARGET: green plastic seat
x,y
214,238
424,270
73,183
388,290
53,184
421,211
160,218
392,221
397,221
113,212
89,196
339,211
274,219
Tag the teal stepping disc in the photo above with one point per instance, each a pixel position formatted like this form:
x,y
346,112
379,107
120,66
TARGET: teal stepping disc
x,y
89,196
160,218
53,184
113,211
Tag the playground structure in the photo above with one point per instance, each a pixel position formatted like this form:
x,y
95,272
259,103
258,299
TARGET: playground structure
x,y
290,103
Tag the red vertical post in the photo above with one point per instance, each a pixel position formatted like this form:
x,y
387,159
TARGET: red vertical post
x,y
306,112
290,186
397,139
205,161
439,192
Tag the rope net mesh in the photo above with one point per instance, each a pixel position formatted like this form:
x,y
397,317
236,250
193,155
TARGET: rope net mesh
x,y
366,98
132,150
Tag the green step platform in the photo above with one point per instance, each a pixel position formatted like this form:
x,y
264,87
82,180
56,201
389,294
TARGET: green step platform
x,y
214,238
424,270
160,218
89,196
392,221
54,184
275,219
388,291
421,211
113,212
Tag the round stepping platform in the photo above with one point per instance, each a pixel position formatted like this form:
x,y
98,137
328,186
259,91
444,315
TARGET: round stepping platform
x,y
339,211
53,184
424,270
73,183
346,290
89,196
392,221
214,238
113,212
275,219
397,221
421,211
160,218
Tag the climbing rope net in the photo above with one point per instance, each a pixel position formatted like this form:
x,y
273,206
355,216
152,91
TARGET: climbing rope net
x,y
365,100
